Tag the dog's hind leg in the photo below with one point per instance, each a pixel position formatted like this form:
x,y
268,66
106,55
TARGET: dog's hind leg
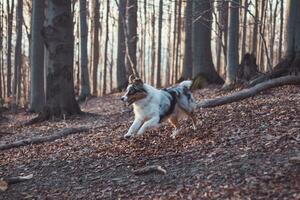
x,y
194,120
174,121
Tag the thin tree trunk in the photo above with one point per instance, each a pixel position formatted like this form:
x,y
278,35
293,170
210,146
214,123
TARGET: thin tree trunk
x,y
121,67
255,29
37,92
84,83
244,28
106,48
174,43
153,48
158,76
188,56
233,42
281,31
273,33
18,56
10,16
132,35
169,51
96,24
178,41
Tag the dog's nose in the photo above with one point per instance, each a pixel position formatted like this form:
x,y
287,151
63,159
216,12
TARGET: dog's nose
x,y
123,98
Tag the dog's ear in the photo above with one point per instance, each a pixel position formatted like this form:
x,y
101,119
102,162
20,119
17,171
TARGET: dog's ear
x,y
131,79
138,81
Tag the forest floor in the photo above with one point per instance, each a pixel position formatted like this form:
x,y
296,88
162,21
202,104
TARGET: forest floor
x,y
242,150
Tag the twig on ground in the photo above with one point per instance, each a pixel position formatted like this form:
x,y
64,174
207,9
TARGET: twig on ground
x,y
149,169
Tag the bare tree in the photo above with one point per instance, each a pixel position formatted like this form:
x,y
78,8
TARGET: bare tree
x,y
188,58
281,30
233,42
121,69
59,40
255,28
178,41
84,82
96,26
246,5
10,15
158,76
18,56
132,35
106,48
201,46
37,92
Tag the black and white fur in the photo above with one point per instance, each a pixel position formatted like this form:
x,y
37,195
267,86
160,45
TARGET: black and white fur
x,y
152,106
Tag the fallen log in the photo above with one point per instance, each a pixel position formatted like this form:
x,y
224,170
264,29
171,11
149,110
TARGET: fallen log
x,y
36,140
149,169
249,92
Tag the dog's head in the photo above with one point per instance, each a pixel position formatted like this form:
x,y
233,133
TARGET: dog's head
x,y
135,90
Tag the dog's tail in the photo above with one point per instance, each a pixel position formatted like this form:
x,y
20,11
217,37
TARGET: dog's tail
x,y
186,84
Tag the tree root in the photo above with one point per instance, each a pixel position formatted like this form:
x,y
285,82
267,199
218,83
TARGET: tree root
x,y
249,92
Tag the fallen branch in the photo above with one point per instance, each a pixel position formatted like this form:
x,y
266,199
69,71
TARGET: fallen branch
x,y
149,169
249,92
5,182
36,140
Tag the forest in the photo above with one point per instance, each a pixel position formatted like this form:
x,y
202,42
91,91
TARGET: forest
x,y
65,64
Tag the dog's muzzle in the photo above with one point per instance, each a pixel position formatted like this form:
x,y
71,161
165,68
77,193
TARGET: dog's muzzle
x,y
124,98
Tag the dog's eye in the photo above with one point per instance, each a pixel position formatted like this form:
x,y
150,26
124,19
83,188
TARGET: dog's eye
x,y
132,91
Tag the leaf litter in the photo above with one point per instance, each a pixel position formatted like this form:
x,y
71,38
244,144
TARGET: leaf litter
x,y
247,149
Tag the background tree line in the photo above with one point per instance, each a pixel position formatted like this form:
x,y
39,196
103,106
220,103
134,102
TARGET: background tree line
x,y
53,51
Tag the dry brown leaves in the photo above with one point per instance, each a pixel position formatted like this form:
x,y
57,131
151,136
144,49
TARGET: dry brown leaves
x,y
239,150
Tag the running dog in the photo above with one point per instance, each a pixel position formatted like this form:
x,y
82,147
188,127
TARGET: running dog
x,y
152,106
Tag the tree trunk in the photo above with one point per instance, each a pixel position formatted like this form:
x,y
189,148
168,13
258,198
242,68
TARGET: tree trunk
x,y
96,24
106,48
201,46
10,16
121,69
273,32
84,83
18,56
178,41
59,40
281,31
188,56
132,34
37,92
153,48
2,85
174,43
255,29
232,48
246,5
158,76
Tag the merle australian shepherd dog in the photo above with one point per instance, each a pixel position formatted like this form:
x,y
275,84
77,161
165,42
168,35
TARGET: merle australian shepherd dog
x,y
152,106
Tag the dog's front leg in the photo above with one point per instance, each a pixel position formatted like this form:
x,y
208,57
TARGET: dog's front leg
x,y
152,123
133,128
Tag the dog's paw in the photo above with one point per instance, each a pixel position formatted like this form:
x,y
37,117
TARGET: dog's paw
x,y
174,133
194,127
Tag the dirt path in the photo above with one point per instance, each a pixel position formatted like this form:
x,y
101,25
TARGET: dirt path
x,y
239,150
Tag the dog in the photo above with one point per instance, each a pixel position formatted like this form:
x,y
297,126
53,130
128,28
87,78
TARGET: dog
x,y
153,106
